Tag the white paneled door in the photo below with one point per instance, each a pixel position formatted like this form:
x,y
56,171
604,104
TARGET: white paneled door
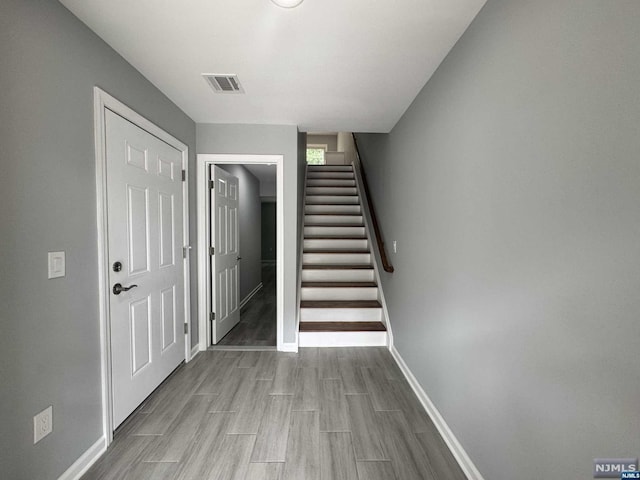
x,y
225,271
145,208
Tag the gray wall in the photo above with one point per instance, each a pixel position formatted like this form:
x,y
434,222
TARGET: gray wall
x,y
249,226
330,140
269,189
266,139
50,343
512,185
302,171
346,145
268,231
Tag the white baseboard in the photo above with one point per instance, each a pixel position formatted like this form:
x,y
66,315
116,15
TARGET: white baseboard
x,y
88,458
194,351
246,299
452,442
288,347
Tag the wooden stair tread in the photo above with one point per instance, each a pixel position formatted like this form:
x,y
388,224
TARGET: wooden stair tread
x,y
335,237
331,186
324,204
337,214
340,304
352,179
338,284
329,168
342,251
323,266
334,204
342,327
334,225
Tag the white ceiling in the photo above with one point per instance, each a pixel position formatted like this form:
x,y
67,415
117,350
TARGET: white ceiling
x,y
264,173
334,65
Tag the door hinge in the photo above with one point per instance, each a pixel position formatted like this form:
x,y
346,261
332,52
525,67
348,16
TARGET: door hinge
x,y
184,175
185,250
211,184
186,328
212,250
212,316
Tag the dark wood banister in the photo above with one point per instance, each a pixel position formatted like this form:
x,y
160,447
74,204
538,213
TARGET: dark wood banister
x,y
376,227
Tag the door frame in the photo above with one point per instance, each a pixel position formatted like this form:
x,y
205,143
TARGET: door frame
x,y
203,161
102,101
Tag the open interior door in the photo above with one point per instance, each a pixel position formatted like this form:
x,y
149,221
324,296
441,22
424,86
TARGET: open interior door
x,y
225,271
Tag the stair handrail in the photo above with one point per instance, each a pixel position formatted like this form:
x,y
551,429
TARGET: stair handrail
x,y
386,264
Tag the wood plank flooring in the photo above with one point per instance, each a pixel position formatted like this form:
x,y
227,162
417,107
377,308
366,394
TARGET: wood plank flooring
x,y
257,326
320,414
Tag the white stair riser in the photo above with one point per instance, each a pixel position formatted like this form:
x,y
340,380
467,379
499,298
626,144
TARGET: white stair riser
x,y
342,339
339,293
353,209
329,199
330,182
348,219
340,314
342,175
331,191
334,231
335,168
336,244
310,275
336,259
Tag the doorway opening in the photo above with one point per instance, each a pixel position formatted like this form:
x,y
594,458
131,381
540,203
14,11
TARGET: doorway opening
x,y
240,226
256,227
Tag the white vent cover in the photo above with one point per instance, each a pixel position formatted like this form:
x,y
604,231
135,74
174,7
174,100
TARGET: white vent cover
x,y
224,83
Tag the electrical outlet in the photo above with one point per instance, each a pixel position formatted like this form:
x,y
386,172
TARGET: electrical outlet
x,y
395,246
42,424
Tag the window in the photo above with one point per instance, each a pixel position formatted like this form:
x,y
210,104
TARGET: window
x,y
315,156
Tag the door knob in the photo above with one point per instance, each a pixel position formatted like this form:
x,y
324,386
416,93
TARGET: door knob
x,y
238,258
118,288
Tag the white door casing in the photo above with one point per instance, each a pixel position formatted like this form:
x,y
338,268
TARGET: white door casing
x,y
203,215
145,218
225,269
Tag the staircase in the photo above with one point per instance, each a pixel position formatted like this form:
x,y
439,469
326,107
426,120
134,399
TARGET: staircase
x,y
339,297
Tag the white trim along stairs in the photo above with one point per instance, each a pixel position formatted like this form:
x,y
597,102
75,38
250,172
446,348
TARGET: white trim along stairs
x,y
340,299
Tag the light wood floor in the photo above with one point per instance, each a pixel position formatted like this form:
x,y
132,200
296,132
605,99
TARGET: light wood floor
x,y
321,414
257,326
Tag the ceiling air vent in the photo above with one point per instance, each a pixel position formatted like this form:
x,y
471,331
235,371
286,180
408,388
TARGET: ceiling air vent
x,y
222,83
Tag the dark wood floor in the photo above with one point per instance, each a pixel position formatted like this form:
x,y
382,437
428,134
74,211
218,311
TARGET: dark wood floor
x,y
321,414
257,327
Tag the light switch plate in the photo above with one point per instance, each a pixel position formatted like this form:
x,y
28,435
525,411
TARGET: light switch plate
x,y
56,264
